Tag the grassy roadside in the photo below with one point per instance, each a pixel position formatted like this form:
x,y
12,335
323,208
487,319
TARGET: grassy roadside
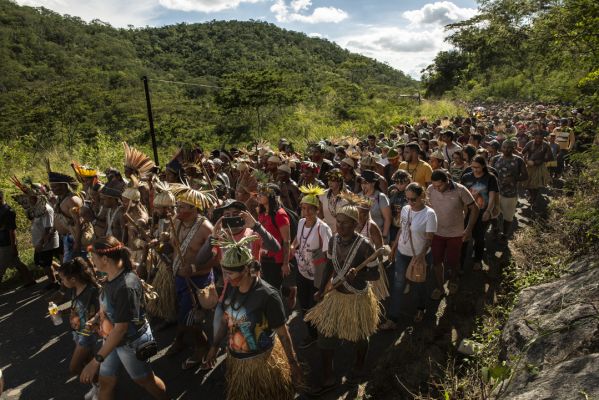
x,y
570,231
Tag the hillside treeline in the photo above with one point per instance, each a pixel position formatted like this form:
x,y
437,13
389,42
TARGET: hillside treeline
x,y
545,50
63,80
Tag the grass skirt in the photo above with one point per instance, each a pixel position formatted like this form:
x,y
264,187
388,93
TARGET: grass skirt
x,y
380,287
165,306
351,317
538,177
267,376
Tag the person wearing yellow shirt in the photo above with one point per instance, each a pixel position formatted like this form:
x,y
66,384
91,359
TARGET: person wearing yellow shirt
x,y
419,170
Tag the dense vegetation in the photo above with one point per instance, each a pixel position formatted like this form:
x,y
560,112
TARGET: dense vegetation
x,y
544,50
63,80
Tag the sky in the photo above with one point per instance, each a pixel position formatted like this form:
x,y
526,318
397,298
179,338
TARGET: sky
x,y
406,34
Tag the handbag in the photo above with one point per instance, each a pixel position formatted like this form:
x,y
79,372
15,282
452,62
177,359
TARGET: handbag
x,y
416,271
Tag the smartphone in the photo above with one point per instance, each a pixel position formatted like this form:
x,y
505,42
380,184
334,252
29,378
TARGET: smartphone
x,y
233,222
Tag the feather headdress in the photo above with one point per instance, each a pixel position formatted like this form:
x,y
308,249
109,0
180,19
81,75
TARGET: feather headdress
x,y
57,177
131,192
33,189
354,203
201,199
140,163
311,193
163,196
236,254
84,171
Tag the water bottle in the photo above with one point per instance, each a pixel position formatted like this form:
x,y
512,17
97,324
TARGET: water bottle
x,y
54,313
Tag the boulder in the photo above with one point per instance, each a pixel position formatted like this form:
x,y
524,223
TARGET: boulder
x,y
551,339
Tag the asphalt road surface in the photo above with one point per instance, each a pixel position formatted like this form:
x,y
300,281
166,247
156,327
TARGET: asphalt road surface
x,y
34,354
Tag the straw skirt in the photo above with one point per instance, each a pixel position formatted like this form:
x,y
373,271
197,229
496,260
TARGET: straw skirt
x,y
266,376
351,317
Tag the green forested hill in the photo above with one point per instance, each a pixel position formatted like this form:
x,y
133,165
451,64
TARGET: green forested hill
x,y
64,80
545,50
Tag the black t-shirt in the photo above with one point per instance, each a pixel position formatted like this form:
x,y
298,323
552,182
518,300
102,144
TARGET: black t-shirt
x,y
8,222
480,187
83,308
252,318
122,301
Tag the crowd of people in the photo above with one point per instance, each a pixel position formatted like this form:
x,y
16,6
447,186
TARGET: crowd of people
x,y
226,244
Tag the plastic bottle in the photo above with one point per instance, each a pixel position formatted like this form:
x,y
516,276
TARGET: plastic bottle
x,y
54,313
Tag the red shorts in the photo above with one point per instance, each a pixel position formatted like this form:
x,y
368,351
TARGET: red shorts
x,y
446,250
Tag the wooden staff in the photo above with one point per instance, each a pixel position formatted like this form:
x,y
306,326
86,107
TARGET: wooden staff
x,y
379,252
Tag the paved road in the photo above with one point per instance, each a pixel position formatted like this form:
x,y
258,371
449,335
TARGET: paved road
x,y
34,354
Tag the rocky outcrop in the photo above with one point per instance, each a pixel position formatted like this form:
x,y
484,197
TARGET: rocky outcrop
x,y
551,339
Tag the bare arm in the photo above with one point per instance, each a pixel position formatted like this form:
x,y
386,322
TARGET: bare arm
x,y
427,244
386,212
472,217
110,344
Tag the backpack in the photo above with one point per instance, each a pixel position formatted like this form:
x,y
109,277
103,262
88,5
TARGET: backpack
x,y
293,220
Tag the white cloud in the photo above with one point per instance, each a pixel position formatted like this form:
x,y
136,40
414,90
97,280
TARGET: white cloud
x,y
404,49
118,13
439,13
299,5
319,15
204,6
414,47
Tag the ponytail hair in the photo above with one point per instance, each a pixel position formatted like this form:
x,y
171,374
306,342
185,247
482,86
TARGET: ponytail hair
x,y
111,247
80,269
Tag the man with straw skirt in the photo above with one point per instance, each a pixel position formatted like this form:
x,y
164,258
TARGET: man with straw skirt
x,y
348,309
261,361
190,231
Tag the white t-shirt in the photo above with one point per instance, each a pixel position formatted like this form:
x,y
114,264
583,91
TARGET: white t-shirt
x,y
39,226
421,222
308,244
330,205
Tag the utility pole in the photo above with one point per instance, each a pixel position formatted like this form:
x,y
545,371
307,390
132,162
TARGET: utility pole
x,y
151,119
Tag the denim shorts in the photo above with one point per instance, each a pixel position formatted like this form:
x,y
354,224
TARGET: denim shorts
x,y
84,341
125,355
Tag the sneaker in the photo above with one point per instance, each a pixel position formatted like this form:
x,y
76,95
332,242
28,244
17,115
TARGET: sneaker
x,y
307,342
388,325
92,393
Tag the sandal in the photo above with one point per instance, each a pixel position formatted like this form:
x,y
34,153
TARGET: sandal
x,y
436,294
419,316
190,363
